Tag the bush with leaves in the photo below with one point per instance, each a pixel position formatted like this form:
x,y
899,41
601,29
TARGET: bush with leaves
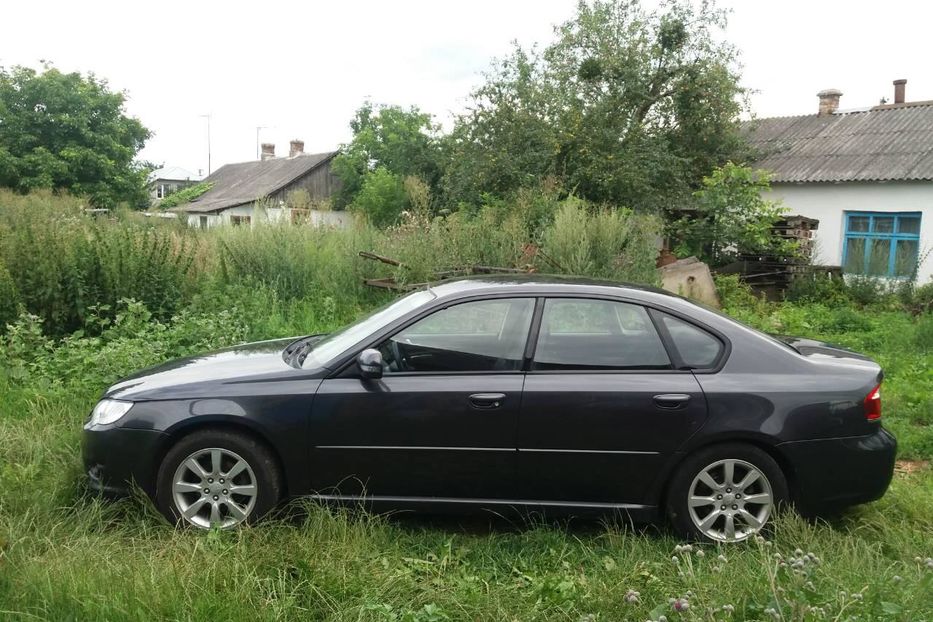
x,y
185,195
731,214
600,242
76,261
134,339
382,197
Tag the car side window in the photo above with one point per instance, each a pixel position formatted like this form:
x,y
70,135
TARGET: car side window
x,y
696,347
581,334
480,336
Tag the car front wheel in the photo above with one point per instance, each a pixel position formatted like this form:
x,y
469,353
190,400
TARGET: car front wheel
x,y
725,493
217,478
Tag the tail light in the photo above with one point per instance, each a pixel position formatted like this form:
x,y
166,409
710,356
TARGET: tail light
x,y
872,404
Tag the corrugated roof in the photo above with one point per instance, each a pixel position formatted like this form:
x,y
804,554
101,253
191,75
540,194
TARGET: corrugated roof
x,y
887,143
247,182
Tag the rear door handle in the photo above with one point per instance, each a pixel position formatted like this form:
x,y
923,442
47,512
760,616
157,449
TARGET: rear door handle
x,y
487,401
671,401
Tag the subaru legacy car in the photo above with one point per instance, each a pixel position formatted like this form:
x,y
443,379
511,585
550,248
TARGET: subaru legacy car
x,y
530,393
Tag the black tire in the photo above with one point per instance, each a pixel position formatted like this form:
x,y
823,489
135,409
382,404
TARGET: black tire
x,y
678,491
262,463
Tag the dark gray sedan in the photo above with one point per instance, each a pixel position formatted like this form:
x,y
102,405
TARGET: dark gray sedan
x,y
530,393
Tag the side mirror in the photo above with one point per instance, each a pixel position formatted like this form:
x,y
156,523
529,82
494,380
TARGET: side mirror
x,y
369,363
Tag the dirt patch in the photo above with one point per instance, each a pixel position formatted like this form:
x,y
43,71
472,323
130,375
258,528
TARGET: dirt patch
x,y
911,466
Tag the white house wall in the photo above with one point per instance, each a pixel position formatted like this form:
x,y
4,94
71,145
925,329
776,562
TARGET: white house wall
x,y
829,202
194,220
318,218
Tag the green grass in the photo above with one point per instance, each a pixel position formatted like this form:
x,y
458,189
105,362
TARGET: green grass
x,y
65,554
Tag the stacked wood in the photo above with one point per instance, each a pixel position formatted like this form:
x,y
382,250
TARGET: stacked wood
x,y
772,273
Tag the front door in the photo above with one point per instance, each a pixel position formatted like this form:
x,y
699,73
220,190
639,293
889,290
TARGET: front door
x,y
603,407
441,422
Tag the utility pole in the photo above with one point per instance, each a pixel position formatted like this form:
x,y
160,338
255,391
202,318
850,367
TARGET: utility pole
x,y
208,117
259,127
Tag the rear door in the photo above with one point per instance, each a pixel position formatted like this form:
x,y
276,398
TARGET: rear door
x,y
603,407
442,421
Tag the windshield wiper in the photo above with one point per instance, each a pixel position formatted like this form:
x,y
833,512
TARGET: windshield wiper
x,y
297,350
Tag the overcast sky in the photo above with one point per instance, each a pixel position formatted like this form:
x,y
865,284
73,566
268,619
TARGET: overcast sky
x,y
302,69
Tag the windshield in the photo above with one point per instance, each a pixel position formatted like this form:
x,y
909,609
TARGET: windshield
x,y
342,340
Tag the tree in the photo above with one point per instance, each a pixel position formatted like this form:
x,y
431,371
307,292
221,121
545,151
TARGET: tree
x,y
732,215
382,197
66,131
627,106
401,141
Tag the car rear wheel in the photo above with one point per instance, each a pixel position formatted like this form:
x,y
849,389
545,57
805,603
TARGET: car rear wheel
x,y
726,493
217,478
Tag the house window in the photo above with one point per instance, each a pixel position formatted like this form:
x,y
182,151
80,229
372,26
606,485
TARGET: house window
x,y
160,192
300,216
202,222
239,220
881,243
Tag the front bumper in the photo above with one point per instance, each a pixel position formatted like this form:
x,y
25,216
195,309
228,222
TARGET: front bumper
x,y
831,474
116,457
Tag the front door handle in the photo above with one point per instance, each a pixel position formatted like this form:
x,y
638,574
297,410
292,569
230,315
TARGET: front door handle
x,y
487,401
671,401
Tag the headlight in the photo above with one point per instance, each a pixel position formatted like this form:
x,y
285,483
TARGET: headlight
x,y
109,411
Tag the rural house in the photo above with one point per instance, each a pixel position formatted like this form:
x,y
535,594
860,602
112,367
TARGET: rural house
x,y
164,181
866,174
237,190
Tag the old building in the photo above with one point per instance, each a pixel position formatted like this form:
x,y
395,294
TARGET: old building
x,y
243,192
170,179
866,174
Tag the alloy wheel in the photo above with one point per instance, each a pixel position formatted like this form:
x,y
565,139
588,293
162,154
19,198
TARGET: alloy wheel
x,y
730,500
214,487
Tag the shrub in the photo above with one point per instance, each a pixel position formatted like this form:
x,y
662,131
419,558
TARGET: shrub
x,y
866,291
9,297
601,242
185,195
731,215
133,340
382,197
817,287
917,299
63,262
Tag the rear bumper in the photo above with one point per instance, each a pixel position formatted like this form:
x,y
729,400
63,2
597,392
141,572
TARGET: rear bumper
x,y
116,457
831,474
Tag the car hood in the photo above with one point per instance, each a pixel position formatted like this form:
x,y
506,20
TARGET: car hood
x,y
204,373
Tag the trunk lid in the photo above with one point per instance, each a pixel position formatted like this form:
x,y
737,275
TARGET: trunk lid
x,y
827,352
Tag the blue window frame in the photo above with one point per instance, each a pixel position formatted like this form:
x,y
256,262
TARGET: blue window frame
x,y
881,243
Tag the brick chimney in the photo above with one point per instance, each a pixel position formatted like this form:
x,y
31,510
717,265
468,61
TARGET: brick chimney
x,y
829,101
295,148
900,86
268,151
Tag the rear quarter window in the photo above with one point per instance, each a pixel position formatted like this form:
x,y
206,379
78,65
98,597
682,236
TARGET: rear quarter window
x,y
696,347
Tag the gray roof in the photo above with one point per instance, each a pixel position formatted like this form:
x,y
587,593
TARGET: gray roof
x,y
884,143
247,182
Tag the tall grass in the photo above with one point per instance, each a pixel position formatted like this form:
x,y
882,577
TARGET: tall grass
x,y
59,263
63,266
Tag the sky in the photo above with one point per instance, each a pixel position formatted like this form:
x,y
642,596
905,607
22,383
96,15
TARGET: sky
x,y
301,69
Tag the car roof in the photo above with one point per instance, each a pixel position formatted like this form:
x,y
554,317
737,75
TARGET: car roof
x,y
543,284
